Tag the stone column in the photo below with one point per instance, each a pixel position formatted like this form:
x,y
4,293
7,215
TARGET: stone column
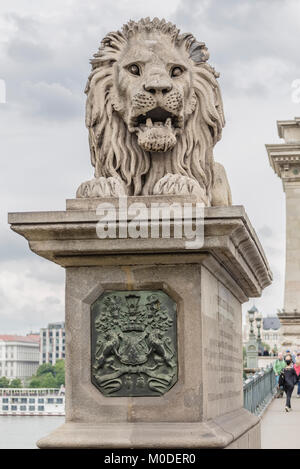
x,y
252,344
200,289
285,160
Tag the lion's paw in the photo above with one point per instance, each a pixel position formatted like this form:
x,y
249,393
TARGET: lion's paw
x,y
176,184
101,187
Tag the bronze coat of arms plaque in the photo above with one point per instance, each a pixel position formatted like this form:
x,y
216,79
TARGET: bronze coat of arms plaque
x,y
134,343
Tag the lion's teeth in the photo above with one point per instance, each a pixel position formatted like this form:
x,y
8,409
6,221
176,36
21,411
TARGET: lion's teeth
x,y
149,122
169,122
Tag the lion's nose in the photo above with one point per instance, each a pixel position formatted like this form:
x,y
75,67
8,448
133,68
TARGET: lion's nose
x,y
158,86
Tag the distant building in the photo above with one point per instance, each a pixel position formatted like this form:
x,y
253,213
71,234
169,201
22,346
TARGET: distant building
x,y
52,340
270,331
19,356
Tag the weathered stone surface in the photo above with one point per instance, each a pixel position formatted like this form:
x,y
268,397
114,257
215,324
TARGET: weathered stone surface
x,y
154,113
208,285
70,239
205,435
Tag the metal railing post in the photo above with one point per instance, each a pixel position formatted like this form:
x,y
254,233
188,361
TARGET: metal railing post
x,y
259,390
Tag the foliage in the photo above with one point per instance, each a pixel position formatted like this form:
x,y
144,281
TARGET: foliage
x,y
4,382
44,368
15,383
59,372
49,376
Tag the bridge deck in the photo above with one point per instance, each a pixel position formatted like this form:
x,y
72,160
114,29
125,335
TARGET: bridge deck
x,y
280,429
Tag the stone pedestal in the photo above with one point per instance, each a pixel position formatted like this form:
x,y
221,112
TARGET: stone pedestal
x,y
204,408
252,353
285,160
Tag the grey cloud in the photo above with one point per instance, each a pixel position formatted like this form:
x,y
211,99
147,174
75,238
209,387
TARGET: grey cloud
x,y
41,270
51,101
51,300
31,317
273,251
25,24
250,34
13,249
265,231
27,51
36,269
242,28
24,304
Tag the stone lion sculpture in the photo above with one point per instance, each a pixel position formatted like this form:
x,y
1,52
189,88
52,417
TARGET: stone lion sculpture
x,y
154,113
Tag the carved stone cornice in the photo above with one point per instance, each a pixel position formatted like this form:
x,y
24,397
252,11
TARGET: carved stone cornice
x,y
285,157
287,318
289,129
285,161
69,238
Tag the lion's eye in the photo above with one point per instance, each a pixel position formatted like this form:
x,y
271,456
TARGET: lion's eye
x,y
134,69
176,72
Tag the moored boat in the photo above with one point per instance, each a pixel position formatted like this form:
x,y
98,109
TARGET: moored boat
x,y
32,401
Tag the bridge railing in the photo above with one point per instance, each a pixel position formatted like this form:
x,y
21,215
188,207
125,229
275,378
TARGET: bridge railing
x,y
259,390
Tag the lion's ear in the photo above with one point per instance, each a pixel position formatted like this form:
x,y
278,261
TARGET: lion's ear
x,y
199,52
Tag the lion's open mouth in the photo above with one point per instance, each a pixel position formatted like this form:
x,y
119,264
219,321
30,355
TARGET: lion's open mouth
x,y
157,129
157,117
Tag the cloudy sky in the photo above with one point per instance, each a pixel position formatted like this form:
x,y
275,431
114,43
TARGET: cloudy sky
x,y
45,48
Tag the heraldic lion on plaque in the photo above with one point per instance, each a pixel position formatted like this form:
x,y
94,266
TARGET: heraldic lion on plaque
x,y
134,350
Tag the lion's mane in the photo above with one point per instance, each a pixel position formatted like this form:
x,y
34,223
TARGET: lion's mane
x,y
115,151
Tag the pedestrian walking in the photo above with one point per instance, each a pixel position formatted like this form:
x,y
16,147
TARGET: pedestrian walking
x,y
287,379
297,369
289,352
278,365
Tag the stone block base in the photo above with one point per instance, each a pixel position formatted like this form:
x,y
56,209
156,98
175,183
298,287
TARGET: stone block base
x,y
235,430
207,283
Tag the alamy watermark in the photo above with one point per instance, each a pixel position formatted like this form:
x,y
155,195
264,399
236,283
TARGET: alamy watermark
x,y
296,91
2,91
156,220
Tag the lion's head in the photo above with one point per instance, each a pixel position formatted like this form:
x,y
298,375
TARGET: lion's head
x,y
153,107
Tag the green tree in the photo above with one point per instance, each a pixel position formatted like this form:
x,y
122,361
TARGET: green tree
x,y
59,373
35,382
45,368
49,376
4,382
46,380
15,383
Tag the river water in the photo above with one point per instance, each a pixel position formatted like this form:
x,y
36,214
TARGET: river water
x,y
22,432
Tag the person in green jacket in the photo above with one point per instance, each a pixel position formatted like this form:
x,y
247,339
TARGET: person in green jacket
x,y
279,364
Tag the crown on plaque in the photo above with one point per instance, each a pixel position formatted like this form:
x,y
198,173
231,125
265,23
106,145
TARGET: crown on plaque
x,y
132,303
131,321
